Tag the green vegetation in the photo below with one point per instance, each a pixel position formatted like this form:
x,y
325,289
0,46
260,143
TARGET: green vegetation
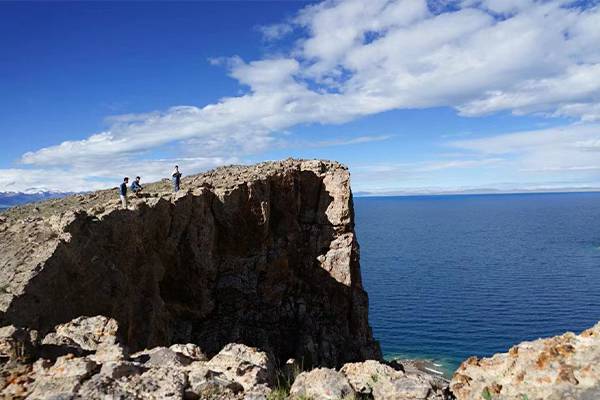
x,y
284,379
486,394
279,393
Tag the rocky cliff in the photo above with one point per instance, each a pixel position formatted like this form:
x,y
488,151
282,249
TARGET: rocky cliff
x,y
264,255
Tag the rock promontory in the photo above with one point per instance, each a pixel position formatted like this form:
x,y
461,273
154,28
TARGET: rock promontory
x,y
263,255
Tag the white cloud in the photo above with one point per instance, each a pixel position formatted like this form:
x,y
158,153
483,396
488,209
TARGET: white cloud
x,y
560,150
93,175
275,31
357,58
343,141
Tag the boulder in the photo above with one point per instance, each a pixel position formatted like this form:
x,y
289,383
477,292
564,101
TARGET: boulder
x,y
94,336
87,332
62,379
386,383
322,384
244,365
204,381
154,384
161,357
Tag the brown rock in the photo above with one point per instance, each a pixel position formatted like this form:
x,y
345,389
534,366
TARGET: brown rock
x,y
263,254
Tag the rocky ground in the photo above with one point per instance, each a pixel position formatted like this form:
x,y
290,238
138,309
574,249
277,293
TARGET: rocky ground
x,y
565,367
86,359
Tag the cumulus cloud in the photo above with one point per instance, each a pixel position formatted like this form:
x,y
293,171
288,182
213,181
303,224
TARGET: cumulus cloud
x,y
357,58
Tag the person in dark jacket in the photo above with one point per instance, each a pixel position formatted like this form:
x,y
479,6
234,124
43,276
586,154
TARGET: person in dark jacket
x,y
136,187
176,175
123,192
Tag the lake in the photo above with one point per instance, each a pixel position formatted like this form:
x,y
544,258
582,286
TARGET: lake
x,y
453,276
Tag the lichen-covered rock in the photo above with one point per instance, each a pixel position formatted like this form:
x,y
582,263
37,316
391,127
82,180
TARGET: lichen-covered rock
x,y
17,344
264,255
204,381
104,369
154,384
386,383
190,350
62,379
561,367
83,336
245,365
87,332
161,357
322,384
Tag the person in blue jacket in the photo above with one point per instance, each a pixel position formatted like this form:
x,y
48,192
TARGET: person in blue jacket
x,y
176,175
136,187
123,192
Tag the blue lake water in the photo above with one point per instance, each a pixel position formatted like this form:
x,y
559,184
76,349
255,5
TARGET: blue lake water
x,y
453,276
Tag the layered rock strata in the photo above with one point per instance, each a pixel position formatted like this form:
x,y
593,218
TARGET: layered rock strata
x,y
264,255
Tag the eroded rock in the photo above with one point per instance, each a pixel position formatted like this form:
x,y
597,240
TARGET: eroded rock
x,y
93,372
561,367
264,255
62,379
17,344
245,365
322,384
386,383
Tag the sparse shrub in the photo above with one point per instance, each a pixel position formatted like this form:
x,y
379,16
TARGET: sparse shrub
x,y
279,393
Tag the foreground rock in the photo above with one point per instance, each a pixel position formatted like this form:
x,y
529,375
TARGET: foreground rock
x,y
89,362
371,380
561,367
85,359
264,255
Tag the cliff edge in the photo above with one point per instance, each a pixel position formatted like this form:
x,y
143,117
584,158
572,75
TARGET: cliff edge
x,y
263,255
558,368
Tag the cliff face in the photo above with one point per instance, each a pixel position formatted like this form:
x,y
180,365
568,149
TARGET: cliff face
x,y
263,255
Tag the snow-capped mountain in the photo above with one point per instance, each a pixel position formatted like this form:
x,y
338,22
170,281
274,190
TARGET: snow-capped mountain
x,y
10,199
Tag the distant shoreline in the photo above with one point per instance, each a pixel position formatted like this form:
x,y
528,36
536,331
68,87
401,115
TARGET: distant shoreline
x,y
500,193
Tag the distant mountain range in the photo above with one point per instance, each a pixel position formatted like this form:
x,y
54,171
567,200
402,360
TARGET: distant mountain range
x,y
11,199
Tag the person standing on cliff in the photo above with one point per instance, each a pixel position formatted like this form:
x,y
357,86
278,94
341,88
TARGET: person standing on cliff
x,y
176,175
123,192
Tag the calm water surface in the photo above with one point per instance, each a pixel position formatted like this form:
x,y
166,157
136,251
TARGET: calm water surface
x,y
454,276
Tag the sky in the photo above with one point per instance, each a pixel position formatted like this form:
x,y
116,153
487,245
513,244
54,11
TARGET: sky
x,y
414,96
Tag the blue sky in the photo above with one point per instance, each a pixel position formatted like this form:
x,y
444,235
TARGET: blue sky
x,y
414,96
